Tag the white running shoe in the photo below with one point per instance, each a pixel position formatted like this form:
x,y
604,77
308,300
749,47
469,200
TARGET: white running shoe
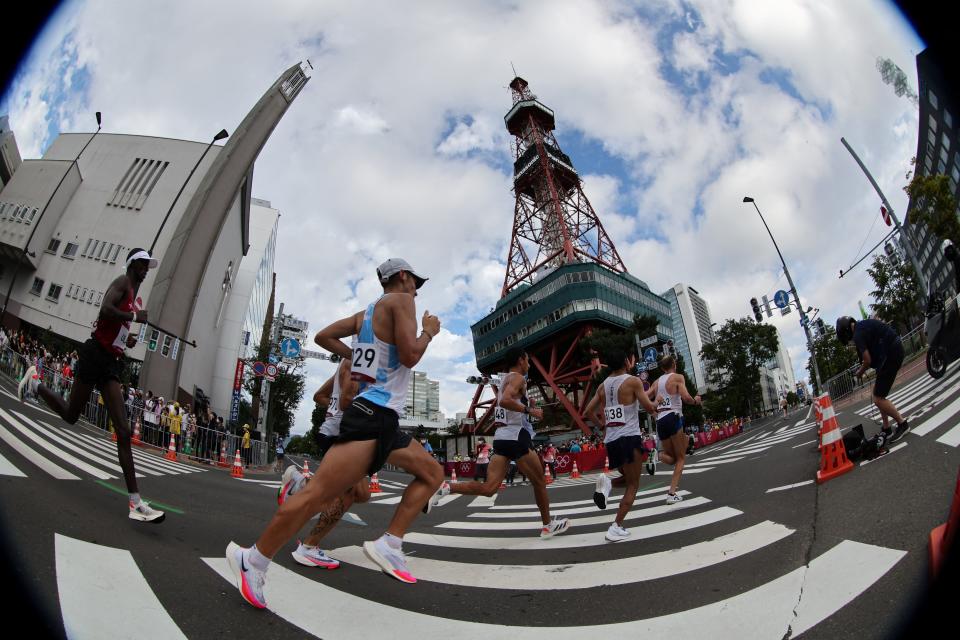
x,y
314,557
555,528
24,381
292,482
250,581
434,500
602,491
391,561
673,498
616,533
145,513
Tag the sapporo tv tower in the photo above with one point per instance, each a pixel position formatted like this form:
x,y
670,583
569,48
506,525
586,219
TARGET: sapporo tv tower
x,y
564,276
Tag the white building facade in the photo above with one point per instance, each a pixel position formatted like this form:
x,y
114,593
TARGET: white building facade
x,y
691,329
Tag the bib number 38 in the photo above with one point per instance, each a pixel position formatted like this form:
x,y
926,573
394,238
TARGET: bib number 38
x,y
364,366
613,414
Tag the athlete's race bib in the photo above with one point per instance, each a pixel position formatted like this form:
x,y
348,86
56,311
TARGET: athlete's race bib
x,y
334,406
364,366
499,416
613,415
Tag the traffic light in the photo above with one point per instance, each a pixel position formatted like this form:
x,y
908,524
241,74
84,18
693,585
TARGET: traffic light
x,y
756,309
154,337
821,327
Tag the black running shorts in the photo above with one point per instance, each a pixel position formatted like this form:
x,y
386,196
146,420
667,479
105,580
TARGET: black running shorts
x,y
887,372
96,365
668,425
621,450
513,449
364,420
324,442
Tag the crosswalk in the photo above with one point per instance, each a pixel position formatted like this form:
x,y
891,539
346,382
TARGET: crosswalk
x,y
921,401
72,454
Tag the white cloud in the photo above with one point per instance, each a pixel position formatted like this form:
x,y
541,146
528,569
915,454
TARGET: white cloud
x,y
396,146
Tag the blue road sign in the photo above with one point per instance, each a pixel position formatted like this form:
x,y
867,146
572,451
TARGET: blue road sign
x,y
273,358
650,355
781,299
289,347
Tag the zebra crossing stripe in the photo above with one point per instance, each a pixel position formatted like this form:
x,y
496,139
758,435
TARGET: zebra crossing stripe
x,y
912,400
891,450
790,486
484,501
713,461
54,470
7,468
80,449
141,458
586,575
739,453
686,470
936,420
576,540
103,594
63,455
396,500
530,506
799,422
611,505
793,602
951,438
527,525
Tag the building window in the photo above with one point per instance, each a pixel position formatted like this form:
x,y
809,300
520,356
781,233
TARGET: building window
x,y
53,293
33,214
3,210
70,250
103,245
137,183
53,246
99,298
945,141
113,256
106,254
83,296
86,249
37,287
933,123
90,297
933,100
16,213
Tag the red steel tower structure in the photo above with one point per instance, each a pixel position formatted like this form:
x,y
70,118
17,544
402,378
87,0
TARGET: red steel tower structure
x,y
564,276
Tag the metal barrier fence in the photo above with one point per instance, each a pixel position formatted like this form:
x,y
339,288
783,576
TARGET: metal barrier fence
x,y
194,441
845,383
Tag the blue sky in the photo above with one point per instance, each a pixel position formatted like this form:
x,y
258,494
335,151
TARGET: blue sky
x,y
670,111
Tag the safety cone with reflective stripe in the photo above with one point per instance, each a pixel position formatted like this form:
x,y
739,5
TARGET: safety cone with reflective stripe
x,y
237,471
453,475
606,464
546,474
833,455
136,433
375,484
113,435
171,453
941,538
306,470
576,472
223,455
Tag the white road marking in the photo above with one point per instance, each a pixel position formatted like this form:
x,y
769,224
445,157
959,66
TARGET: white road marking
x,y
573,503
586,575
7,468
63,455
790,486
803,444
611,505
936,420
951,438
103,594
830,582
54,470
892,449
483,501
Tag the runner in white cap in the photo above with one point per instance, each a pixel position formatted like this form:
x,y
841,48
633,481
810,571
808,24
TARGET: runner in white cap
x,y
101,365
387,348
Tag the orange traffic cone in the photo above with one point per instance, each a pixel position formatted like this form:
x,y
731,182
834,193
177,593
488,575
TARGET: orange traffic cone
x,y
576,472
375,485
546,474
606,464
237,471
136,433
223,455
306,469
171,453
833,458
453,475
503,484
113,435
941,538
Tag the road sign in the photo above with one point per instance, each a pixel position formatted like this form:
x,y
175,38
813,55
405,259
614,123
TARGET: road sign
x,y
273,358
271,371
259,368
648,341
781,299
650,355
289,348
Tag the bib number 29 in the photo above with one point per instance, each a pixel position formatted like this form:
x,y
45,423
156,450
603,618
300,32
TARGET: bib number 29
x,y
364,366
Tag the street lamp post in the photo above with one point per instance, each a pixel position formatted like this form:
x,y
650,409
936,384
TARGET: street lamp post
x,y
220,136
36,224
793,289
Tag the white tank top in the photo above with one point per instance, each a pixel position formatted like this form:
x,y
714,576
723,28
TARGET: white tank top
x,y
378,363
331,424
669,403
509,423
621,419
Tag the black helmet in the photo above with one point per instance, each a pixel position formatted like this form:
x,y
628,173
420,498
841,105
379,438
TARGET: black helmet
x,y
844,330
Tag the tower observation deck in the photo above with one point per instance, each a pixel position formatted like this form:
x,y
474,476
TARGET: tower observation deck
x,y
564,276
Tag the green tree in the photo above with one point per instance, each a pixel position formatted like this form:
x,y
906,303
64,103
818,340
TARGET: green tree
x,y
832,357
897,294
932,203
302,445
792,398
286,391
740,349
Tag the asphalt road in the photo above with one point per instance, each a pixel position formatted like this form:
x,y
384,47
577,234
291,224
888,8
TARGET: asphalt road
x,y
746,554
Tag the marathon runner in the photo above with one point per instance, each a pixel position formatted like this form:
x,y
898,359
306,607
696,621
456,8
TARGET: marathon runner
x,y
101,365
670,391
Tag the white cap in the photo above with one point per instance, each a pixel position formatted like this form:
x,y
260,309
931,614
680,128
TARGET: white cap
x,y
141,254
394,266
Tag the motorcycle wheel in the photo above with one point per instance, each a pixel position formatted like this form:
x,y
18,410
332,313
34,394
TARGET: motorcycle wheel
x,y
936,362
